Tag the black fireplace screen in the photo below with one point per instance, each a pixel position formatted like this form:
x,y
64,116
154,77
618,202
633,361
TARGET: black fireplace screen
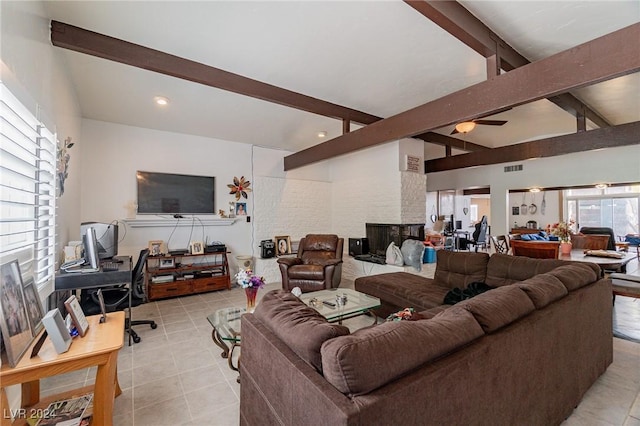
x,y
380,235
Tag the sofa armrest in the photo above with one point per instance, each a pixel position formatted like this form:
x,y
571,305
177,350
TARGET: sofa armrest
x,y
290,261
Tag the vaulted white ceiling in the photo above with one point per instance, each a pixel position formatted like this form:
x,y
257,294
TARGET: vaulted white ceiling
x,y
380,57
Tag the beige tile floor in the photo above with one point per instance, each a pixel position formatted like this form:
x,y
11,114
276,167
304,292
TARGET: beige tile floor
x,y
176,376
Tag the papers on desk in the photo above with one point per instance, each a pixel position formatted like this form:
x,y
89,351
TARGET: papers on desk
x,y
605,253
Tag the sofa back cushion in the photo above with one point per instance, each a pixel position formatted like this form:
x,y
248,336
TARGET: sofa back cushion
x,y
459,269
498,307
543,289
302,328
371,357
576,274
503,269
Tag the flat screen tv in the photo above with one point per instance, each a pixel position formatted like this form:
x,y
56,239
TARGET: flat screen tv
x,y
166,193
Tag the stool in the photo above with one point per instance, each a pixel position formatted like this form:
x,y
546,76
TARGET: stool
x,y
625,285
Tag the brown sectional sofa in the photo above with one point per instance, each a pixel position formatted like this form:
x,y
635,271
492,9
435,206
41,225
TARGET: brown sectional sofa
x,y
522,353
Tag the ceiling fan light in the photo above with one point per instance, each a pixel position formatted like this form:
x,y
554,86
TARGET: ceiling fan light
x,y
465,126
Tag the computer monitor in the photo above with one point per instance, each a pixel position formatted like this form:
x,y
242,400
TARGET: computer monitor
x,y
106,237
91,248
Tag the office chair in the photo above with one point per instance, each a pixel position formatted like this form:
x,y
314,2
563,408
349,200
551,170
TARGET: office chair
x,y
117,298
479,236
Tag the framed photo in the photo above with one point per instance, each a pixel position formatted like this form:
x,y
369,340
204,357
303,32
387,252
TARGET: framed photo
x,y
157,248
515,211
14,321
283,245
77,315
241,209
196,247
34,307
169,262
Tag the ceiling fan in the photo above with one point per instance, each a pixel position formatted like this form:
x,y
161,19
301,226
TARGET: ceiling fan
x,y
467,126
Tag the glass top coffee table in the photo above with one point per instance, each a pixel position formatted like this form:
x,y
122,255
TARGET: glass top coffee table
x,y
347,304
226,331
335,307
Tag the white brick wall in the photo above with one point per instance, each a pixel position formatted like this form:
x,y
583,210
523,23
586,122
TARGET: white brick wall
x,y
414,197
291,207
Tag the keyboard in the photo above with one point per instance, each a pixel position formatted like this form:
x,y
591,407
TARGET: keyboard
x,y
110,266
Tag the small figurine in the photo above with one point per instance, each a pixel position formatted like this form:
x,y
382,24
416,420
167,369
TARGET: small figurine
x,y
221,213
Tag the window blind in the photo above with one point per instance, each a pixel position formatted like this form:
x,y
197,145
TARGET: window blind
x,y
27,191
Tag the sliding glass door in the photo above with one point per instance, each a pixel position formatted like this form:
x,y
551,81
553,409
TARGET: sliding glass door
x,y
619,213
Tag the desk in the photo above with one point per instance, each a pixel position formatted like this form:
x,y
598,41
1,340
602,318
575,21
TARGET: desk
x,y
80,280
99,347
604,262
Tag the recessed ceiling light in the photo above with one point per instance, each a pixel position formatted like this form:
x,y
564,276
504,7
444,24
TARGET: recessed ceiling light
x,y
161,100
534,190
601,185
322,134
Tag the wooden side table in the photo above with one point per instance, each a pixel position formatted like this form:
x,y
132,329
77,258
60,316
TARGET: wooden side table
x,y
99,347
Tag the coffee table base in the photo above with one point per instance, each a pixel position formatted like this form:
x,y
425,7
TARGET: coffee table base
x,y
227,351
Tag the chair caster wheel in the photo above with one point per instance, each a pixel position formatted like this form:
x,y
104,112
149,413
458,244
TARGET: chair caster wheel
x,y
136,339
154,326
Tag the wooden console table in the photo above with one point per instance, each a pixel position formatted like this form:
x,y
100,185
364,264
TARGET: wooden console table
x,y
99,347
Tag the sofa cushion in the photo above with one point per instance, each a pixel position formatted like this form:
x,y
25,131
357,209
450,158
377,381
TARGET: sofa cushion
x,y
458,269
403,289
302,328
576,275
503,269
371,357
543,289
498,307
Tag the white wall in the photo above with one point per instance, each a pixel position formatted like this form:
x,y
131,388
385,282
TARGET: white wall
x,y
35,73
112,153
366,188
612,165
550,216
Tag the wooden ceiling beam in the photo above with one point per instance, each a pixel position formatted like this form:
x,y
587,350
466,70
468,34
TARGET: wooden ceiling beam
x,y
91,43
444,140
463,25
602,59
607,137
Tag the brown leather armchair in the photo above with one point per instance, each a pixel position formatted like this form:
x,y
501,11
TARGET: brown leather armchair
x,y
318,265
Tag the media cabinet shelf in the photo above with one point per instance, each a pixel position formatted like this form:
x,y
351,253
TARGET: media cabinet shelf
x,y
192,274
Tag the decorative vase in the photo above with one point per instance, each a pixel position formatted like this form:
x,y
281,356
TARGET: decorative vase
x,y
251,293
565,247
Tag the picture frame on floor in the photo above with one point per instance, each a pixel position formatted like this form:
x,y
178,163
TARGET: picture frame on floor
x,y
14,320
283,245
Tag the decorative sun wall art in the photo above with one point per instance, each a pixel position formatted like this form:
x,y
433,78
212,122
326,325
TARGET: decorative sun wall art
x,y
240,187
